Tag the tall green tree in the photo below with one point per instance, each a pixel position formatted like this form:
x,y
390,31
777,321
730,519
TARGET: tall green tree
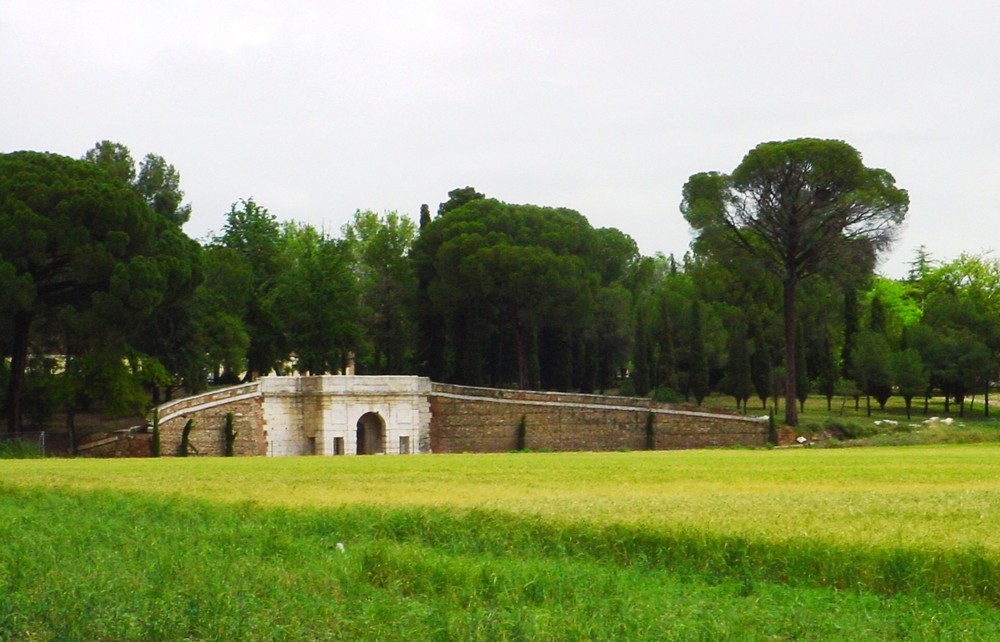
x,y
221,303
910,375
665,340
699,360
738,369
170,336
975,281
952,343
798,207
74,237
253,232
435,358
611,333
379,248
871,368
314,299
505,277
827,373
761,365
644,363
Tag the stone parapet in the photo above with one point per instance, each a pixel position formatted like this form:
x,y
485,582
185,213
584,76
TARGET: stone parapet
x,y
467,419
208,414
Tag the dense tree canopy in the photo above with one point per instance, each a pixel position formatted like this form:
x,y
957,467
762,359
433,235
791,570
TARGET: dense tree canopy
x,y
536,283
76,239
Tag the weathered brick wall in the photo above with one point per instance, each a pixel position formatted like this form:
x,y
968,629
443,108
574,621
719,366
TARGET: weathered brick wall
x,y
208,411
465,419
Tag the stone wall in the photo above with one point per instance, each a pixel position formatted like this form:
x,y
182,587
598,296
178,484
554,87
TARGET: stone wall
x,y
208,412
466,419
319,415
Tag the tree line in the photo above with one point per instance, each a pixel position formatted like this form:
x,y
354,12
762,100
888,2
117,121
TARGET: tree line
x,y
106,304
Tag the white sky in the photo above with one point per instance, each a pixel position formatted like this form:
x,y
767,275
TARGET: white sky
x,y
317,109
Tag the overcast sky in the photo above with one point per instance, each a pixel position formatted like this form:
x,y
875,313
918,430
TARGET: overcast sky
x,y
317,109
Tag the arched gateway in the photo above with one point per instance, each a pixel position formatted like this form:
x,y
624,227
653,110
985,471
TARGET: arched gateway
x,y
346,415
371,434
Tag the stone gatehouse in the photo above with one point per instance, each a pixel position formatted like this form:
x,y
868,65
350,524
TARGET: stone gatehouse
x,y
341,415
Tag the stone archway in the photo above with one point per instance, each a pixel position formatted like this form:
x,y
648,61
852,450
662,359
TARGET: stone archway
x,y
371,434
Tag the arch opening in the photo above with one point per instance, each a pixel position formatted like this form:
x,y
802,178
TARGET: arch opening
x,y
371,434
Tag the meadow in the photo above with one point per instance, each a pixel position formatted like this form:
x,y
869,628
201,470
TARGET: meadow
x,y
787,544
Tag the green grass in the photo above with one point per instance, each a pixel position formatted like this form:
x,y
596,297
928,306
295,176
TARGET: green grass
x,y
874,430
20,449
857,544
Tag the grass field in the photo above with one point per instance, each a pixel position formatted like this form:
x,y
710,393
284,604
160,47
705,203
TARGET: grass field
x,y
797,544
888,427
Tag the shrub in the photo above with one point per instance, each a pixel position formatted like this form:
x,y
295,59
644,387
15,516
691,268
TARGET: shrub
x,y
20,449
229,435
185,445
664,394
843,429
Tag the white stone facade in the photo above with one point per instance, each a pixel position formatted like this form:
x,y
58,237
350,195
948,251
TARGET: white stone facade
x,y
346,415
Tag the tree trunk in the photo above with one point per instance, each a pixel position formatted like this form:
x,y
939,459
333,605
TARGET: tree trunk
x,y
522,355
71,430
791,407
18,365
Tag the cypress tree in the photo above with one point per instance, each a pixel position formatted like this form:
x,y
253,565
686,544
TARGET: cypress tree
x,y
699,361
851,327
666,361
182,450
826,378
740,382
642,359
760,366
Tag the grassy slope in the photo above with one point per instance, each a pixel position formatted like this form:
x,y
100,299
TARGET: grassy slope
x,y
799,544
